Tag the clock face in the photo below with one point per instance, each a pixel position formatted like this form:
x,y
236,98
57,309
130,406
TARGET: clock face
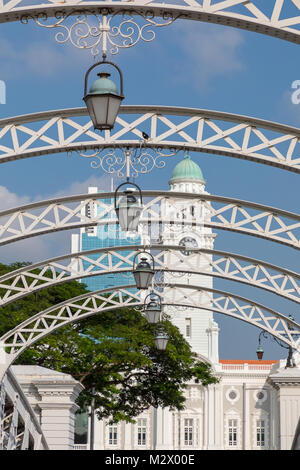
x,y
188,242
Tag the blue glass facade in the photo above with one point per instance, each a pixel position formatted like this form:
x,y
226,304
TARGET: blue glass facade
x,y
106,236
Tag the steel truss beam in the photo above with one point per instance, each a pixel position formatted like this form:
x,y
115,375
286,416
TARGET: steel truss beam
x,y
197,130
219,212
18,422
44,323
168,259
278,18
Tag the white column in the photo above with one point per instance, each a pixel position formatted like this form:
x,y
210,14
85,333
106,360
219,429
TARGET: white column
x,y
163,429
128,444
218,418
213,342
168,429
287,384
58,424
211,411
74,243
205,422
97,434
54,395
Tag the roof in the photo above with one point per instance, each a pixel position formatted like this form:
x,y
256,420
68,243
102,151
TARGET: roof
x,y
247,361
187,170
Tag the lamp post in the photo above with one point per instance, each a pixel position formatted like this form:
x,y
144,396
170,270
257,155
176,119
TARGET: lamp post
x,y
92,420
103,100
152,309
129,207
143,272
259,351
161,340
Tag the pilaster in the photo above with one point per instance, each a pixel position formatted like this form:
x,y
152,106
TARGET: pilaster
x,y
53,396
287,384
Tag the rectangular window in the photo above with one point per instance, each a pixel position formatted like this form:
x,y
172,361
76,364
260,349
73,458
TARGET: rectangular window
x,y
141,431
232,432
260,433
113,435
188,327
188,432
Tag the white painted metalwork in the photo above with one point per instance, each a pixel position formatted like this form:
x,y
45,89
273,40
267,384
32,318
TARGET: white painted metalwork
x,y
19,427
173,128
279,18
44,323
103,32
220,212
33,278
128,163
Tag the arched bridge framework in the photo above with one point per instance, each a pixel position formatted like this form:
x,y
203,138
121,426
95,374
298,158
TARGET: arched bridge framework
x,y
168,128
46,322
218,264
280,18
223,213
198,130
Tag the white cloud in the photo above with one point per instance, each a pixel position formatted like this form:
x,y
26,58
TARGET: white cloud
x,y
44,59
289,111
209,51
102,182
9,199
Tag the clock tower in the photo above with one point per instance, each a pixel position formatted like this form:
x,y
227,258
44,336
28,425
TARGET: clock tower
x,y
188,231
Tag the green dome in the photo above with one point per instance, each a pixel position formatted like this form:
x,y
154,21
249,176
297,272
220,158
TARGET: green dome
x,y
103,85
187,170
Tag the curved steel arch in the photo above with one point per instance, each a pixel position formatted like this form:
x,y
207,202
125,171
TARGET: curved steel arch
x,y
228,214
278,19
24,281
198,130
35,328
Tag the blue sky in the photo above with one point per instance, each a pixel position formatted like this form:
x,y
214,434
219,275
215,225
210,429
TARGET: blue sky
x,y
189,64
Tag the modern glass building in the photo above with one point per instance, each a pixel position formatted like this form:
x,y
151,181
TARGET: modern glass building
x,y
103,236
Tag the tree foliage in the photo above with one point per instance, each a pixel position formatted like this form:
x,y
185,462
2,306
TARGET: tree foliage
x,y
112,353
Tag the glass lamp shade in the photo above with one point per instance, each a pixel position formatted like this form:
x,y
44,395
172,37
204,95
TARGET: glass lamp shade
x,y
259,353
161,341
143,274
103,109
152,312
128,212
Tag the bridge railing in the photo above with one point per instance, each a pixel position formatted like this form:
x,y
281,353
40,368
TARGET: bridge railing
x,y
19,426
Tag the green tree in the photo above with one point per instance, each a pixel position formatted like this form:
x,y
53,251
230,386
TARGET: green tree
x,y
114,352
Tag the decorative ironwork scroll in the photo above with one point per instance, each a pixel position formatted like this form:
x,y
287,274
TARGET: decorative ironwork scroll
x,y
116,161
103,31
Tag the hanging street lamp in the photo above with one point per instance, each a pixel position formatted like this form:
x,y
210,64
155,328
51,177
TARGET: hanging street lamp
x,y
259,352
103,100
152,309
143,272
161,340
129,207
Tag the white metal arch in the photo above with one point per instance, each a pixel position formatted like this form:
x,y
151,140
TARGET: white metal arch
x,y
198,130
220,213
168,258
278,18
14,342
